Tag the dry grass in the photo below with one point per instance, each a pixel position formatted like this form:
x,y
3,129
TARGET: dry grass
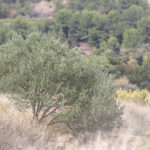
x,y
123,83
19,132
44,8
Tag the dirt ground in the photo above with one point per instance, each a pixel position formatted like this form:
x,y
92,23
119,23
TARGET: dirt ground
x,y
44,8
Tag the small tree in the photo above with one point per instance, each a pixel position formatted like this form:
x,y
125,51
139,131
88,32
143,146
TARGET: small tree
x,y
94,37
76,5
133,14
62,20
113,44
114,17
74,27
57,83
58,4
144,28
132,38
3,10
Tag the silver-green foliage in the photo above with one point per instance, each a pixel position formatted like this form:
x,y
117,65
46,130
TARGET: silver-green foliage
x,y
57,83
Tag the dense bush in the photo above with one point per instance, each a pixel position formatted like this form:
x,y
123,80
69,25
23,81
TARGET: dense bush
x,y
132,38
57,83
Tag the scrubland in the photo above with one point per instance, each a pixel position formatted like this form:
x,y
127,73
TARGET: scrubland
x,y
19,132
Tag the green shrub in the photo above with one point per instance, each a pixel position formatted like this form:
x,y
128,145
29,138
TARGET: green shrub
x,y
57,83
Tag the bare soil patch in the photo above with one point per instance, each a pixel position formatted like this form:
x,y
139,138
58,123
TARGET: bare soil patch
x,y
84,48
44,8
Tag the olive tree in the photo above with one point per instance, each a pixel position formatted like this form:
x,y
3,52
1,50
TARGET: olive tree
x,y
57,83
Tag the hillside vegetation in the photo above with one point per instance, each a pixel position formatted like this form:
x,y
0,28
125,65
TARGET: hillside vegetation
x,y
118,30
74,74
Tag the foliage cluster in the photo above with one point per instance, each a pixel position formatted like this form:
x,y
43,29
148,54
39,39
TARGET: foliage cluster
x,y
104,6
122,37
23,26
58,84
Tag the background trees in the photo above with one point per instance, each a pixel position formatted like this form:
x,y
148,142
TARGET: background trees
x,y
58,4
3,9
62,20
21,26
124,4
76,5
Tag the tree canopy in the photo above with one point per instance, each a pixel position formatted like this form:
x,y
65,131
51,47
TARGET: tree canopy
x,y
58,84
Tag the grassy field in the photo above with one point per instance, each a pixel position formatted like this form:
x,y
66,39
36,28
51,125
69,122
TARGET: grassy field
x,y
32,20
19,132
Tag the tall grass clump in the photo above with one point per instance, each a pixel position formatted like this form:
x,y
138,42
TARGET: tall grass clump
x,y
134,95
